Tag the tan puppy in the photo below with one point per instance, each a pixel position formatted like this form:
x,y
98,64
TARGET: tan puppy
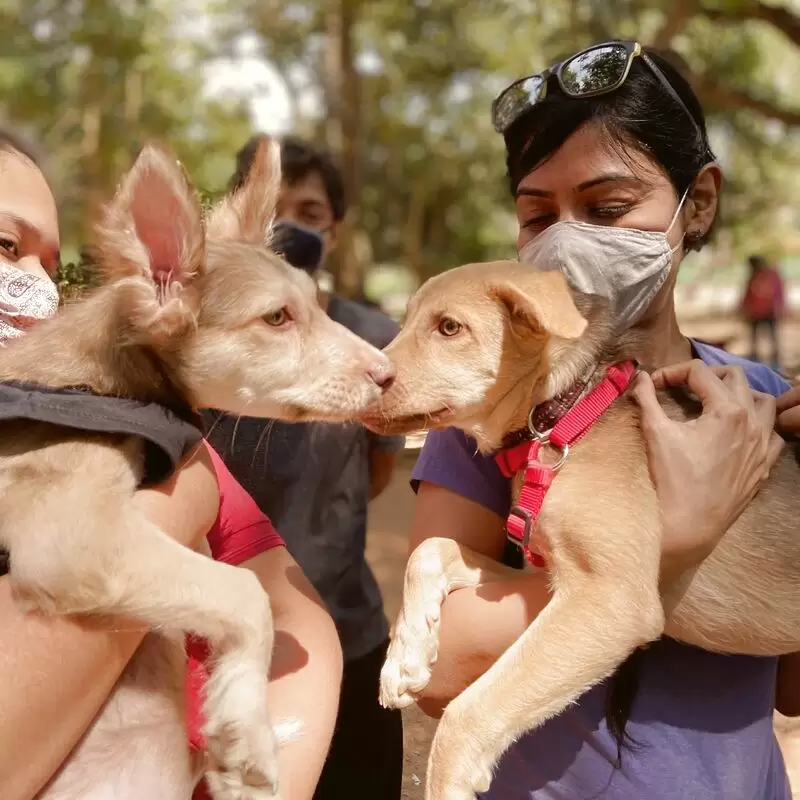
x,y
482,346
192,314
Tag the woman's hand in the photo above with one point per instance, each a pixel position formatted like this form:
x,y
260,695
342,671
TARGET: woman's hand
x,y
788,405
707,470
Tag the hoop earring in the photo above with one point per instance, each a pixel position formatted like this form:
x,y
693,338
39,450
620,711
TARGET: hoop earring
x,y
692,239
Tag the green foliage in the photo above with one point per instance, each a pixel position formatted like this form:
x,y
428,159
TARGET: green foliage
x,y
75,277
93,79
433,190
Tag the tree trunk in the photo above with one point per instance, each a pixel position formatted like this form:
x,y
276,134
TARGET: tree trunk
x,y
93,116
343,133
415,227
675,20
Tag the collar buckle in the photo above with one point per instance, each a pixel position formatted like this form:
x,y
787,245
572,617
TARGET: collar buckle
x,y
521,538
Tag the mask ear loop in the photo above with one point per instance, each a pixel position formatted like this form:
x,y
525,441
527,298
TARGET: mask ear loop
x,y
677,211
671,225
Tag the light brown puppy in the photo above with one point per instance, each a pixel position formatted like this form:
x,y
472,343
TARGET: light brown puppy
x,y
481,346
190,313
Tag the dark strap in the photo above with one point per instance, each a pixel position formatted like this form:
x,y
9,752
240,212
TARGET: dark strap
x,y
168,434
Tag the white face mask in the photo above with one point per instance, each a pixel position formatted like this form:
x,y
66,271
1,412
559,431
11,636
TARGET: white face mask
x,y
25,299
625,266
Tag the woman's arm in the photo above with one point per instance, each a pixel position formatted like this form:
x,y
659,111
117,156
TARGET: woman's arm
x,y
306,669
56,673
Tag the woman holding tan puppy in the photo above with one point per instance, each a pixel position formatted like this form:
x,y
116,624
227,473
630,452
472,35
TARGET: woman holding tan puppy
x,y
57,674
609,162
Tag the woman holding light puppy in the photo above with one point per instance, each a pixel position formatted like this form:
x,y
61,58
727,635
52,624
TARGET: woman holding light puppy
x,y
56,675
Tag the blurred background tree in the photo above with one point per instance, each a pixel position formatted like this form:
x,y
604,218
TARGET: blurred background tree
x,y
399,90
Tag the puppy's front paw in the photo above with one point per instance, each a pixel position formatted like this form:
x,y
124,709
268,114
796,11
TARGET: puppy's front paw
x,y
460,764
412,654
240,742
242,765
459,783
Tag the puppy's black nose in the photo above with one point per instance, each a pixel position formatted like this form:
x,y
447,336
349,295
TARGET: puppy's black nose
x,y
383,374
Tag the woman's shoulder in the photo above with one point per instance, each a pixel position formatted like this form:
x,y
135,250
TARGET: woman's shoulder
x,y
760,376
241,531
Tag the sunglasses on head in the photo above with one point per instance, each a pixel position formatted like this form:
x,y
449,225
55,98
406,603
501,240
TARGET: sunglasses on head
x,y
599,69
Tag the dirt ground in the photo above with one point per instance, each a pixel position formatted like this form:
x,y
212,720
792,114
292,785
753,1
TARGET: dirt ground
x,y
390,521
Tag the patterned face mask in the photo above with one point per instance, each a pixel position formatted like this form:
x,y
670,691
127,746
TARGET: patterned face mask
x,y
25,299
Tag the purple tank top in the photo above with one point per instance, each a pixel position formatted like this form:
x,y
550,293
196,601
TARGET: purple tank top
x,y
701,722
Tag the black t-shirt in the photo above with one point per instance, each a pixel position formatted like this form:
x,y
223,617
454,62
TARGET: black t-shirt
x,y
312,480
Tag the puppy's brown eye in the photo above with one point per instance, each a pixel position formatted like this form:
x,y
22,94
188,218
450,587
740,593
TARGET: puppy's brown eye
x,y
449,327
277,318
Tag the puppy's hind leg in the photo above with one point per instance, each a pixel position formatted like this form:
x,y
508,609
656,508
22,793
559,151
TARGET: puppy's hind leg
x,y
137,746
437,567
134,570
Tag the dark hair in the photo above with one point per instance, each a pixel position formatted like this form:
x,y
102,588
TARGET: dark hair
x,y
298,160
757,262
11,142
641,114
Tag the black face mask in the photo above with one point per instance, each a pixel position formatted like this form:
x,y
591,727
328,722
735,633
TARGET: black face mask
x,y
301,247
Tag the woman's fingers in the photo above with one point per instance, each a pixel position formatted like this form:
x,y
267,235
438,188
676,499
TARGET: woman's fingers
x,y
644,392
706,470
788,400
735,379
765,409
774,450
788,407
699,377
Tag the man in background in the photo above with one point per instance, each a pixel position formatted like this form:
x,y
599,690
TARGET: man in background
x,y
315,481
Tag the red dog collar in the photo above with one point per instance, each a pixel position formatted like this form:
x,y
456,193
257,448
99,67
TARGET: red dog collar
x,y
568,431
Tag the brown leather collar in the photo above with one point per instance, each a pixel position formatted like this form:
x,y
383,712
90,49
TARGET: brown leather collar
x,y
547,414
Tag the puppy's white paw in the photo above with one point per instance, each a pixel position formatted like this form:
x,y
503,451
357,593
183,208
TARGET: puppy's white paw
x,y
232,786
240,742
411,656
458,778
243,765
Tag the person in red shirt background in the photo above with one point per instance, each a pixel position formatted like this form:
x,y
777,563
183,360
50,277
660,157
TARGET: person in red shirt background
x,y
57,673
763,305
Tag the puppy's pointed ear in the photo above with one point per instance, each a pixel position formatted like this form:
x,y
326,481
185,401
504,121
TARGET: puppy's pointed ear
x,y
153,227
247,214
542,303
